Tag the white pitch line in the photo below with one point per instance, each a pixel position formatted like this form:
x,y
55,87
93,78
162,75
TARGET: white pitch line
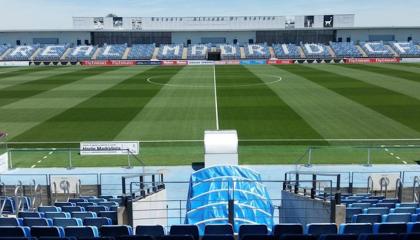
x,y
215,97
50,153
33,166
404,162
39,161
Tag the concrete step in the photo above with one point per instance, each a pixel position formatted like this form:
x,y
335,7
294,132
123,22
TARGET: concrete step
x,y
35,53
185,53
272,53
66,53
361,51
5,53
242,50
331,51
125,55
155,53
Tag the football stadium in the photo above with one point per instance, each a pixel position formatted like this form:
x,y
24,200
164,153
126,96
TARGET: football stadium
x,y
224,127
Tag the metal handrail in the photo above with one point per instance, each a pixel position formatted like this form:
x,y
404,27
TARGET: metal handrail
x,y
399,186
369,187
384,182
19,197
416,186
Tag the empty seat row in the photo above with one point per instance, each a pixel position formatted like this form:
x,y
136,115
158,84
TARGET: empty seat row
x,y
63,222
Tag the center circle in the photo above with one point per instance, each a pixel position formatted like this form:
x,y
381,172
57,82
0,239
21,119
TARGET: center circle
x,y
155,81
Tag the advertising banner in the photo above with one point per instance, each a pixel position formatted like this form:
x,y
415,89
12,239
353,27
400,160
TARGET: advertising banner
x,y
280,61
14,64
410,60
371,60
109,63
202,62
253,62
110,148
148,62
173,62
228,62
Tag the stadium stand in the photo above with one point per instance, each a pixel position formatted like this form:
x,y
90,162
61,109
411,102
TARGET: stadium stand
x,y
21,53
141,52
81,53
376,49
316,50
229,51
257,51
287,51
198,51
345,49
51,53
170,52
111,52
406,49
3,49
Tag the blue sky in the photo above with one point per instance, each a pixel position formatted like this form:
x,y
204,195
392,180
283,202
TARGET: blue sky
x,y
47,14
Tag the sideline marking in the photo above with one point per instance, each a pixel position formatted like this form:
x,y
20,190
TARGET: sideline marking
x,y
215,97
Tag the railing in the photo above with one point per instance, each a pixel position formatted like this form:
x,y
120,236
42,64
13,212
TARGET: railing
x,y
416,189
19,196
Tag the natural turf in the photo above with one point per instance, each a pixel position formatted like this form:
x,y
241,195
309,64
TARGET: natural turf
x,y
279,111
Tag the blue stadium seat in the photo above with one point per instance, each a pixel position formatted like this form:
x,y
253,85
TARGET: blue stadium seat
x,y
355,228
396,217
337,237
257,51
81,53
82,232
198,51
367,218
51,52
57,215
258,237
150,230
113,215
229,51
83,215
287,228
252,229
376,210
108,204
316,50
44,231
390,200
360,205
96,209
413,227
350,212
140,52
77,200
218,229
410,210
410,236
376,49
29,214
115,230
97,222
112,52
21,53
44,209
390,228
8,205
345,49
407,204
31,222
67,222
85,204
387,205
176,237
63,204
191,230
406,49
317,229
14,232
218,237
297,237
381,236
10,222
134,237
170,52
290,51
71,209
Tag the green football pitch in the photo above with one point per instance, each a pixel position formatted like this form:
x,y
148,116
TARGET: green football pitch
x,y
344,112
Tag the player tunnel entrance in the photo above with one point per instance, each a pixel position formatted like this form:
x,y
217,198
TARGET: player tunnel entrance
x,y
214,55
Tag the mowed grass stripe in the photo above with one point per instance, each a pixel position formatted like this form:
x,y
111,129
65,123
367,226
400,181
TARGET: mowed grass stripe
x,y
28,89
84,122
399,73
399,107
329,113
256,111
23,71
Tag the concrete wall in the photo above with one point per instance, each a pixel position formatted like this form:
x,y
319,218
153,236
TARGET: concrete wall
x,y
296,208
401,34
28,37
195,37
151,210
